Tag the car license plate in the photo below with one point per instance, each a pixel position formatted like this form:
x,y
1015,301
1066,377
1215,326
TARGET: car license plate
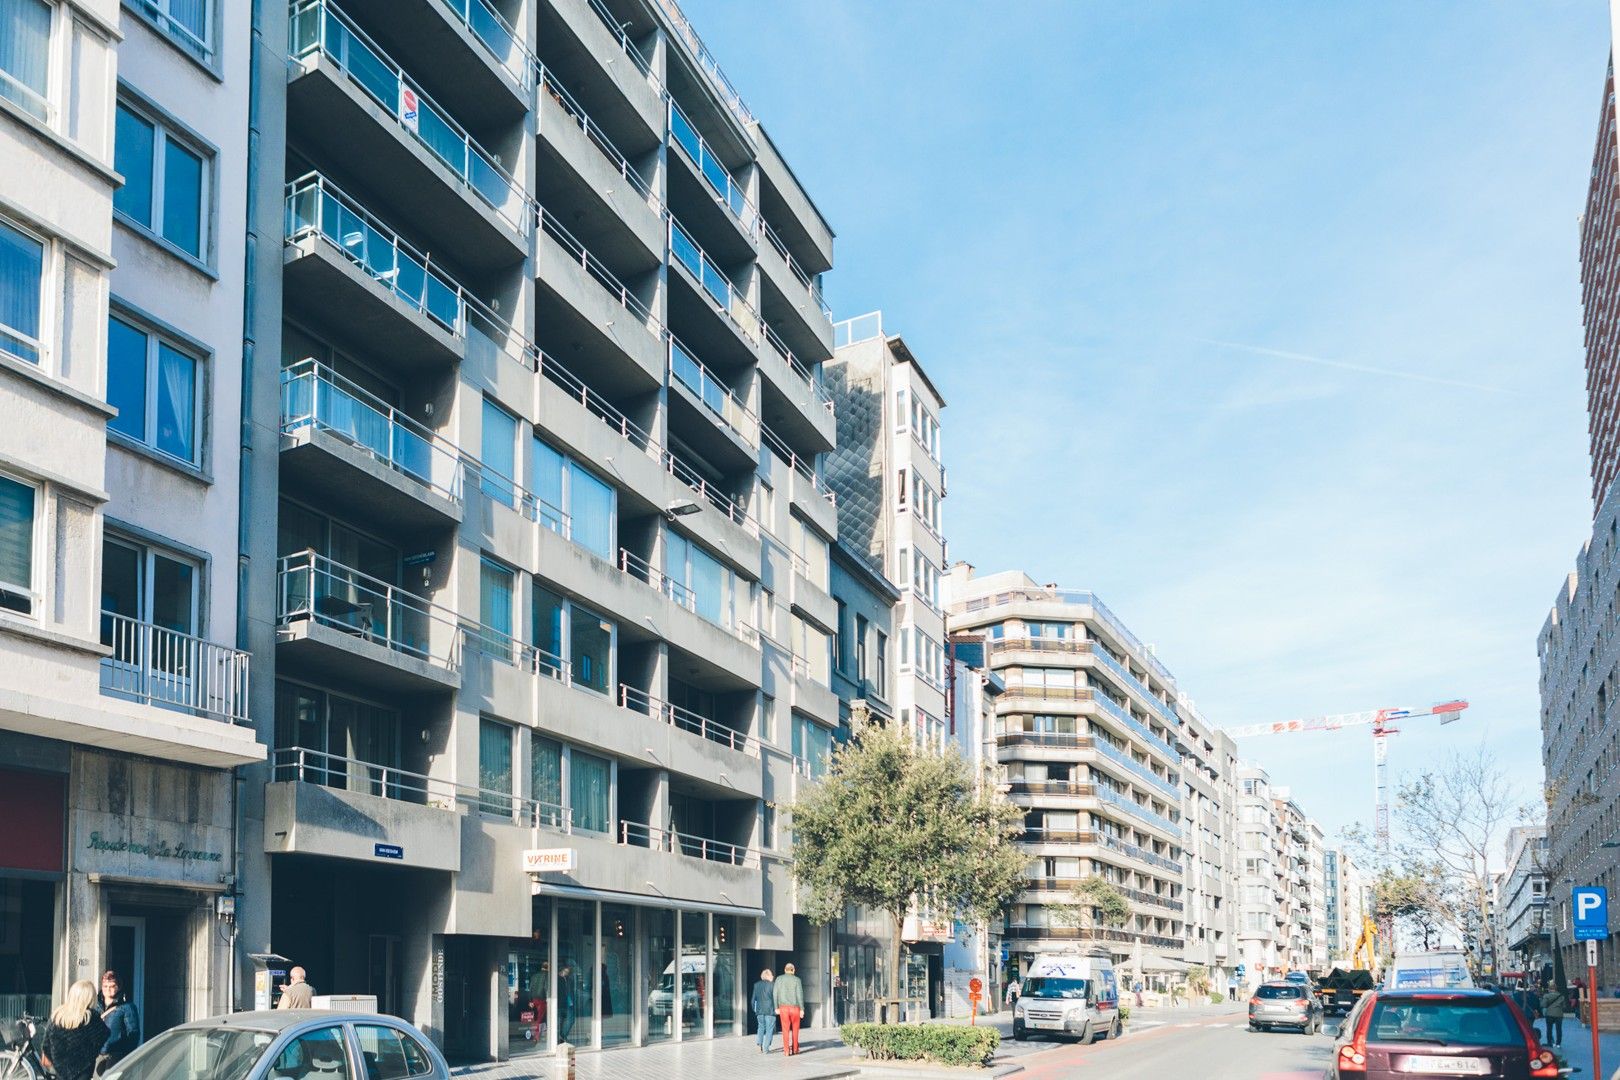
x,y
1434,1065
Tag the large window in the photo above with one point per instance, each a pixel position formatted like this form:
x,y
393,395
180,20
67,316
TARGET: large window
x,y
545,777
573,639
500,454
571,493
165,187
494,767
590,786
185,22
811,548
25,51
338,741
812,745
708,584
144,585
22,277
153,385
810,645
18,506
495,604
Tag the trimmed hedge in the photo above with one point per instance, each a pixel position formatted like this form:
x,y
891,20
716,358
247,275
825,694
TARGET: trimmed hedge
x,y
946,1044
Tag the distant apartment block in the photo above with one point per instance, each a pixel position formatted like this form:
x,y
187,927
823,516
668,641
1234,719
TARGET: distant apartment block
x,y
1600,298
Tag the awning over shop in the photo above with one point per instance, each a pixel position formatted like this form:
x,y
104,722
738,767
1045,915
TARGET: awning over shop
x,y
580,892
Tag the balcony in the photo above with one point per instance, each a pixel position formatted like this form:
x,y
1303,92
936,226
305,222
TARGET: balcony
x,y
1140,812
1131,682
465,48
700,181
1019,932
715,314
711,417
349,447
581,299
686,720
1118,712
350,98
340,623
623,74
1141,772
357,274
157,666
808,492
793,400
696,624
792,299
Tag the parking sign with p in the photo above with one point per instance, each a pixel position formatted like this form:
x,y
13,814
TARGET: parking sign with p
x,y
1591,907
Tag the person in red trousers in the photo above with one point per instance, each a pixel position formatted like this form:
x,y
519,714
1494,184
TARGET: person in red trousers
x,y
788,992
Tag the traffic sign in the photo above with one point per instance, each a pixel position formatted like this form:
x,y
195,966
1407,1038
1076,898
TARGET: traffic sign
x,y
1591,954
1591,904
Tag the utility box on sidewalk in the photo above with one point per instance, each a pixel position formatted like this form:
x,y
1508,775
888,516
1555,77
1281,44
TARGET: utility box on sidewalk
x,y
562,1066
1608,1014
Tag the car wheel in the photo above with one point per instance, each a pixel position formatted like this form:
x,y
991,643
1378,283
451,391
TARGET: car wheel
x,y
1253,1026
1018,1031
1094,1035
1117,1030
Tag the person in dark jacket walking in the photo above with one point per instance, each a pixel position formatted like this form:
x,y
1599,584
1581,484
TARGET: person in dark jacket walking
x,y
75,1035
1553,1003
763,1002
123,1020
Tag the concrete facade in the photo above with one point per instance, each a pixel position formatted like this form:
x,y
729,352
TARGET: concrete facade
x,y
123,701
1600,301
1524,926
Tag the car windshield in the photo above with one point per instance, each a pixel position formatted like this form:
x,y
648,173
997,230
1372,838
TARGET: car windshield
x,y
1279,992
218,1053
1049,987
1466,1021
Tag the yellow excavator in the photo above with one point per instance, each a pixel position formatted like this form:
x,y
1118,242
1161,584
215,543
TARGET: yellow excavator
x,y
1343,987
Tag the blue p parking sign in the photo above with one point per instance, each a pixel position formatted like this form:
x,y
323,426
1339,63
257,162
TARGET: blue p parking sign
x,y
1591,908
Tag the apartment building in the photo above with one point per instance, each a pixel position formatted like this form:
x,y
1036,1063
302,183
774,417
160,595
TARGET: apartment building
x,y
539,558
889,475
1295,853
1262,937
1523,925
1348,905
1600,300
1087,733
1210,853
124,704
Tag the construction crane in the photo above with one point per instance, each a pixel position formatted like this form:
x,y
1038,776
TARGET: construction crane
x,y
1383,726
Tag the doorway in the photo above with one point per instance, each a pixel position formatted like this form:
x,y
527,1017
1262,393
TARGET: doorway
x,y
126,954
383,979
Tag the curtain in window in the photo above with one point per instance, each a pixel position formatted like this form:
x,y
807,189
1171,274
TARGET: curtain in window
x,y
545,772
495,605
592,645
135,143
494,767
547,483
591,505
176,403
589,779
707,584
500,454
193,15
182,198
16,538
25,49
22,267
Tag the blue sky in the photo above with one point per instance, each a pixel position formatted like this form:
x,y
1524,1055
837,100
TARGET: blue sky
x,y
1262,320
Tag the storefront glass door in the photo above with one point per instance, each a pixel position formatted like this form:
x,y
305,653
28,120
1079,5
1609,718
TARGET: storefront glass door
x,y
618,962
658,972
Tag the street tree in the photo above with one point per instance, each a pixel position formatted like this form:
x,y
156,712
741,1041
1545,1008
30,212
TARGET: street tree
x,y
1418,896
1094,903
890,826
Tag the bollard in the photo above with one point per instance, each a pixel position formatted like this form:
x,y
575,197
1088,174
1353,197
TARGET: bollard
x,y
562,1066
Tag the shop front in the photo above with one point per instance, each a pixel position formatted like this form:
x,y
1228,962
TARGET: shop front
x,y
33,863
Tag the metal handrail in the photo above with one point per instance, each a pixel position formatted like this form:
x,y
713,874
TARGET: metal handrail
x,y
793,461
687,720
316,397
549,83
173,670
645,572
598,405
638,834
683,132
315,588
593,266
301,764
774,340
1041,644
615,28
496,35
811,284
729,300
716,396
311,25
708,64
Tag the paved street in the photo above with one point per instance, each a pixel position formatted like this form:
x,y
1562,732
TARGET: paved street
x,y
1212,1044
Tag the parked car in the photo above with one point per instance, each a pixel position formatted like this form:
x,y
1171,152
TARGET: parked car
x,y
292,1044
1409,1034
1285,1004
1069,994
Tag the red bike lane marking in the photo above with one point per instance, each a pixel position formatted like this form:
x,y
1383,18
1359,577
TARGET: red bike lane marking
x,y
1078,1055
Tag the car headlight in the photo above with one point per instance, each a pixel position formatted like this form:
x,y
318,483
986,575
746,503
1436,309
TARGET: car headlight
x,y
1018,1009
1077,1013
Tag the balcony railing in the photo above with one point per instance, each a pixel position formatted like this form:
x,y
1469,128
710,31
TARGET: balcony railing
x,y
553,227
1041,644
300,764
551,85
1052,740
1136,809
616,28
800,466
1166,712
1066,788
811,285
315,588
317,207
778,346
492,30
687,720
729,300
172,670
636,834
720,500
645,572
1038,594
709,65
319,28
727,191
1137,769
315,397
714,394
1120,713
1076,933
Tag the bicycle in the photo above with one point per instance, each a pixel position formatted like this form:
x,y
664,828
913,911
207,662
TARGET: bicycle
x,y
20,1058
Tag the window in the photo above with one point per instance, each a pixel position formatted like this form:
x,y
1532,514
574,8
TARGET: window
x,y
860,647
140,584
17,509
900,410
573,639
499,451
590,782
810,645
390,1054
574,502
702,582
767,718
22,278
901,488
153,385
345,743
811,549
812,746
494,767
882,651
841,637
165,181
25,51
185,22
767,826
319,1053
545,777
495,605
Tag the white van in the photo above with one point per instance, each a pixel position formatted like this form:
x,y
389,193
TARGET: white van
x,y
1439,969
1068,994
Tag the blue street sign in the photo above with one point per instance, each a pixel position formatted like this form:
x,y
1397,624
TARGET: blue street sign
x,y
388,851
1240,970
1591,905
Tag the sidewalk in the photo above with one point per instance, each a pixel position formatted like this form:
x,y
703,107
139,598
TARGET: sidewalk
x,y
1578,1049
822,1056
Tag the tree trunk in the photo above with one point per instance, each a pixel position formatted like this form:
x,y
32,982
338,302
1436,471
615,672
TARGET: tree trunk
x,y
894,966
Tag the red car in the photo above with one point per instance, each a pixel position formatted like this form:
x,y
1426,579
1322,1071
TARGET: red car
x,y
1433,1034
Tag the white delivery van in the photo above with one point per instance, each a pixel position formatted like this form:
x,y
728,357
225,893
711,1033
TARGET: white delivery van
x,y
1439,969
1067,994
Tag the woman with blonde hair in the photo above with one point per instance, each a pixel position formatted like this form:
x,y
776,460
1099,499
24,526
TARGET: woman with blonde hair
x,y
75,1035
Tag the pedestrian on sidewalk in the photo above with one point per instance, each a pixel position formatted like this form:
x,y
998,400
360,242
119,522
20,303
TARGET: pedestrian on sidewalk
x,y
122,1020
297,994
763,1002
788,996
1014,988
75,1034
1553,1004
